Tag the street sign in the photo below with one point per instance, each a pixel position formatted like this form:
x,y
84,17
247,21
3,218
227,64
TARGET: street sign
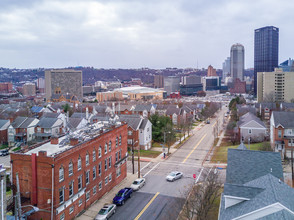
x,y
194,176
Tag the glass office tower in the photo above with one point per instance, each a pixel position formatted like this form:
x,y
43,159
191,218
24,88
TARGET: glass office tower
x,y
266,51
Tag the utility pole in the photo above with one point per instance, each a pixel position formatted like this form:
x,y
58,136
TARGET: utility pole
x,y
133,156
291,140
139,174
18,196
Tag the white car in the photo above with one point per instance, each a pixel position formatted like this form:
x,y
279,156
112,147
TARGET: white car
x,y
138,184
106,212
174,176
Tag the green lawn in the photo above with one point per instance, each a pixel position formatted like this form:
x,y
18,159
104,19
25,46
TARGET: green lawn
x,y
146,153
3,146
156,144
220,153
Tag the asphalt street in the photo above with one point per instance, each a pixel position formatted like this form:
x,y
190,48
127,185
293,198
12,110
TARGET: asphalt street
x,y
160,199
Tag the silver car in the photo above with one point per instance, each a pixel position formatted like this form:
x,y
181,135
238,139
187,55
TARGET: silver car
x,y
138,184
174,176
106,212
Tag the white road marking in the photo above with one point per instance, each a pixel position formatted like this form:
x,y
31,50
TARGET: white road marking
x,y
208,173
144,166
199,175
151,170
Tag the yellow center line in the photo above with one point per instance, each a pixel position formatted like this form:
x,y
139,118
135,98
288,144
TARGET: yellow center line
x,y
194,149
214,124
148,204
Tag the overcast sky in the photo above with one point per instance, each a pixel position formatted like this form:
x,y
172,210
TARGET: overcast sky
x,y
137,33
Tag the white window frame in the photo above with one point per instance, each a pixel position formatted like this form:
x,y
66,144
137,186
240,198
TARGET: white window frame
x,y
70,168
71,209
109,162
61,173
100,168
80,202
94,155
80,181
87,159
62,216
79,163
100,185
94,173
119,141
61,190
71,184
100,152
94,190
249,131
87,179
106,181
109,146
87,196
105,164
109,178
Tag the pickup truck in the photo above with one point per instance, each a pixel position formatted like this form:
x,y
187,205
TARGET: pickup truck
x,y
122,196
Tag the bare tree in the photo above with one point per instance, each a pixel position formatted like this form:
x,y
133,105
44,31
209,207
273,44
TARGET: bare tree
x,y
201,199
269,97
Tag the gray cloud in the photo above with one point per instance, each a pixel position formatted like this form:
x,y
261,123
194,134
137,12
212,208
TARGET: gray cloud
x,y
130,34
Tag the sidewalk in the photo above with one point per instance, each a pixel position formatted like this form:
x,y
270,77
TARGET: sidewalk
x,y
91,212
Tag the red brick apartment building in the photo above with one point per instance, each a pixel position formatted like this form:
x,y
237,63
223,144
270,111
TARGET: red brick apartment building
x,y
64,176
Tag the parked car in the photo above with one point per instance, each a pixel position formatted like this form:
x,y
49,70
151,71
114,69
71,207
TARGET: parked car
x,y
4,152
138,184
207,122
174,176
121,197
106,212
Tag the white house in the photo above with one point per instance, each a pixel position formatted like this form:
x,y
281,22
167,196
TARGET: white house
x,y
145,134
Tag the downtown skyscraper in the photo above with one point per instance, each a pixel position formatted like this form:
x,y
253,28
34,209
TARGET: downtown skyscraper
x,y
237,61
266,51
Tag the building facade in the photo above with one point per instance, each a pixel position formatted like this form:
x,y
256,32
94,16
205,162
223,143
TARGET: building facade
x,y
158,81
211,83
29,89
211,71
63,81
266,51
5,87
66,175
171,84
226,67
237,61
275,86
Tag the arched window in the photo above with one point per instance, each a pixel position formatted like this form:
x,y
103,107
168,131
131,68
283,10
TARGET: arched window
x,y
87,159
105,148
120,140
70,168
109,146
61,174
100,151
116,142
79,163
94,155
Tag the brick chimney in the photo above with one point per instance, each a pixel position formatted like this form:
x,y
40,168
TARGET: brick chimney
x,y
54,140
42,153
73,141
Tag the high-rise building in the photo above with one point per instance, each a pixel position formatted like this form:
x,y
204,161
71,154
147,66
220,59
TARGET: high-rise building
x,y
62,82
191,85
171,84
226,67
237,61
211,71
288,65
5,87
276,86
158,81
211,83
29,89
266,51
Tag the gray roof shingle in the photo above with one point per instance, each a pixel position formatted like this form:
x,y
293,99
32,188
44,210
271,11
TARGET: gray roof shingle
x,y
48,122
134,121
286,119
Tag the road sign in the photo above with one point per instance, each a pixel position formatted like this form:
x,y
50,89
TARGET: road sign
x,y
194,176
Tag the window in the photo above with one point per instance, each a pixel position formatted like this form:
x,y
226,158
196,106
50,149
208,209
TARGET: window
x,y
100,185
94,155
62,216
100,151
105,167
110,177
70,168
106,180
87,177
79,163
105,148
99,168
61,174
87,159
80,182
118,172
94,172
94,190
109,147
130,141
279,133
87,195
61,195
120,140
71,189
80,202
116,142
130,132
116,156
249,131
109,162
71,209
119,154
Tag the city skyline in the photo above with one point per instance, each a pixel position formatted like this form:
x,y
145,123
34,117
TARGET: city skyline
x,y
130,34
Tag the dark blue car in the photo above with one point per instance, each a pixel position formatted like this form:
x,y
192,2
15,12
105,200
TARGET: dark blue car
x,y
122,196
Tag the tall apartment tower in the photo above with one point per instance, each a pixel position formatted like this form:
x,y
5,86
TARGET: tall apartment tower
x,y
226,67
237,61
211,71
158,81
266,51
63,81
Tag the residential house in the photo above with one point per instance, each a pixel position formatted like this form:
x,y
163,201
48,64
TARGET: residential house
x,y
254,187
282,132
251,128
21,130
4,124
284,106
139,131
48,127
161,109
265,109
77,123
56,115
242,109
124,109
145,110
177,115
